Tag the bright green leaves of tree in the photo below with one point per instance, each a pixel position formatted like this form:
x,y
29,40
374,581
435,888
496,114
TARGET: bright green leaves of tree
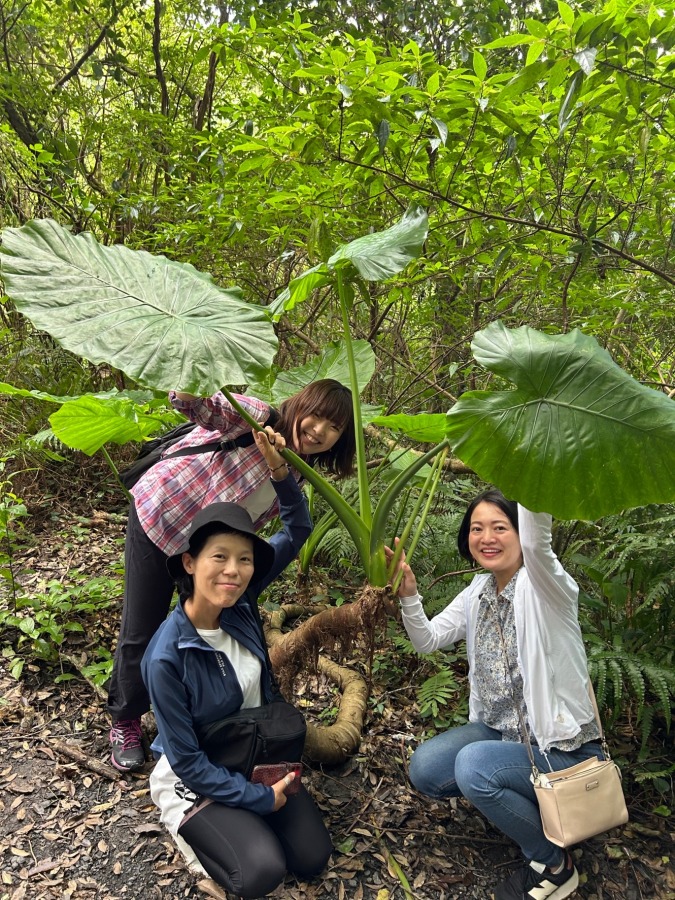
x,y
577,437
162,322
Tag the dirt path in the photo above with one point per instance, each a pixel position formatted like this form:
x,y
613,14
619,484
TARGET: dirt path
x,y
67,831
79,830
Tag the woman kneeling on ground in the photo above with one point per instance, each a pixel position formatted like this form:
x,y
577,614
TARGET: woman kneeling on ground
x,y
207,661
526,659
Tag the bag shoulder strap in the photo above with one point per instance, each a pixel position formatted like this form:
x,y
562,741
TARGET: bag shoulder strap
x,y
521,721
603,737
243,440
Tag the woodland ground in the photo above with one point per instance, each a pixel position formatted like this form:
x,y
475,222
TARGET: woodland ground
x,y
79,830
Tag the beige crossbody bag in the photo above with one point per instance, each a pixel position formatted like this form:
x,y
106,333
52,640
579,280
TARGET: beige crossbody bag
x,y
581,801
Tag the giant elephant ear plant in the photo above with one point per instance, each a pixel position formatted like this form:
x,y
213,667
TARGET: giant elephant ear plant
x,y
165,324
577,436
161,322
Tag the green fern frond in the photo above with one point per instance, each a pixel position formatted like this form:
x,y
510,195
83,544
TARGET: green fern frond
x,y
646,725
336,545
662,683
636,678
617,671
403,644
653,774
46,443
436,692
45,437
597,667
617,681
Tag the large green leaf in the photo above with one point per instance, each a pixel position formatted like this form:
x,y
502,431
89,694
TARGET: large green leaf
x,y
376,257
299,289
384,254
88,423
141,397
578,437
424,427
162,322
332,363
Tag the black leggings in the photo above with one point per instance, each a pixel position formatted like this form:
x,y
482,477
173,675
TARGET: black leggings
x,y
148,589
249,854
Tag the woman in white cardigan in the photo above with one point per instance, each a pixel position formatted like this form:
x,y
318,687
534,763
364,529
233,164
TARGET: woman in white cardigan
x,y
536,666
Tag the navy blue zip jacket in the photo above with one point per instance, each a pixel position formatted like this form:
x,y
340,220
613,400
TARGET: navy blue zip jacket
x,y
192,685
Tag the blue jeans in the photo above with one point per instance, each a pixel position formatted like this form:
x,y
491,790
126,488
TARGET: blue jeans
x,y
473,761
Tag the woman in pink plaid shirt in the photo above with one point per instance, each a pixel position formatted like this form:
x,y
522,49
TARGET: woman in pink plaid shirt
x,y
316,423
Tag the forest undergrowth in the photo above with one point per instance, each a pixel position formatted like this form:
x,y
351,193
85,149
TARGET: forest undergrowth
x,y
67,822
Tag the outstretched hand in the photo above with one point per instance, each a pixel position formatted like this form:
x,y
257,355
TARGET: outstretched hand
x,y
408,584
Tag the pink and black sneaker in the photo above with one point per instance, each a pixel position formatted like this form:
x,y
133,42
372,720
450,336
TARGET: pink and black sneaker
x,y
126,739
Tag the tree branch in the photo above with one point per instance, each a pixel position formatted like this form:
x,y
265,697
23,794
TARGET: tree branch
x,y
512,220
159,71
91,49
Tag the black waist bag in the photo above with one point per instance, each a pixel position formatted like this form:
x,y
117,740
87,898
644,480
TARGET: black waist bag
x,y
271,733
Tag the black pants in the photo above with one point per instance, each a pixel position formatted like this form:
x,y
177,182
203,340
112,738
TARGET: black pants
x,y
148,589
249,854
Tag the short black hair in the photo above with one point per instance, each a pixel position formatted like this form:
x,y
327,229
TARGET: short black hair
x,y
508,507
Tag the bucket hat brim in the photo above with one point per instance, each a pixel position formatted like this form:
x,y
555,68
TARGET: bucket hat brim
x,y
235,518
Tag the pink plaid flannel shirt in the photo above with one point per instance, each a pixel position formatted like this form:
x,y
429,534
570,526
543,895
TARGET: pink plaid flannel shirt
x,y
169,494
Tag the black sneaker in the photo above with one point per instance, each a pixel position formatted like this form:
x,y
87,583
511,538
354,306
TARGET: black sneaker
x,y
536,882
126,739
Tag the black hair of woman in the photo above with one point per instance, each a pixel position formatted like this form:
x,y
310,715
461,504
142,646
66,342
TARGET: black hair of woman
x,y
494,496
327,399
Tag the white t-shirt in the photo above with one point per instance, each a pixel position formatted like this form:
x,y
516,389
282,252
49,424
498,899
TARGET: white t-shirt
x,y
259,501
246,665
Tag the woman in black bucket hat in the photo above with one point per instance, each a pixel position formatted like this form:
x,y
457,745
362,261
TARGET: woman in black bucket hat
x,y
209,660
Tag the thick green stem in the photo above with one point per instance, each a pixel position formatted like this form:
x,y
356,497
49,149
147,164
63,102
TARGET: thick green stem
x,y
378,572
116,473
322,527
394,489
428,492
361,460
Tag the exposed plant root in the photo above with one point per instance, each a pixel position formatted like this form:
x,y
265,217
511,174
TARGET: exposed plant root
x,y
335,628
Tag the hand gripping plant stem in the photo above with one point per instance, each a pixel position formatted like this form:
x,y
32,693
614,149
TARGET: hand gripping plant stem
x,y
368,538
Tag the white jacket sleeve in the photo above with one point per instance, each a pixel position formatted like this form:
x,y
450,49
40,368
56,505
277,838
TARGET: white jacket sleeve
x,y
551,583
427,635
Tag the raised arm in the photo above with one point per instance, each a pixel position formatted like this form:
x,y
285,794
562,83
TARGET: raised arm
x,y
216,413
552,584
296,523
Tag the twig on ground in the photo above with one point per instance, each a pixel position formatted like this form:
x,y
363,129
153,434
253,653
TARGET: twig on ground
x,y
94,765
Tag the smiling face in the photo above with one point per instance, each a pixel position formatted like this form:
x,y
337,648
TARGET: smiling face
x,y
494,543
221,572
315,434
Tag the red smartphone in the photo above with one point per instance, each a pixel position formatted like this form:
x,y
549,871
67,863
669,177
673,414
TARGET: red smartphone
x,y
270,774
